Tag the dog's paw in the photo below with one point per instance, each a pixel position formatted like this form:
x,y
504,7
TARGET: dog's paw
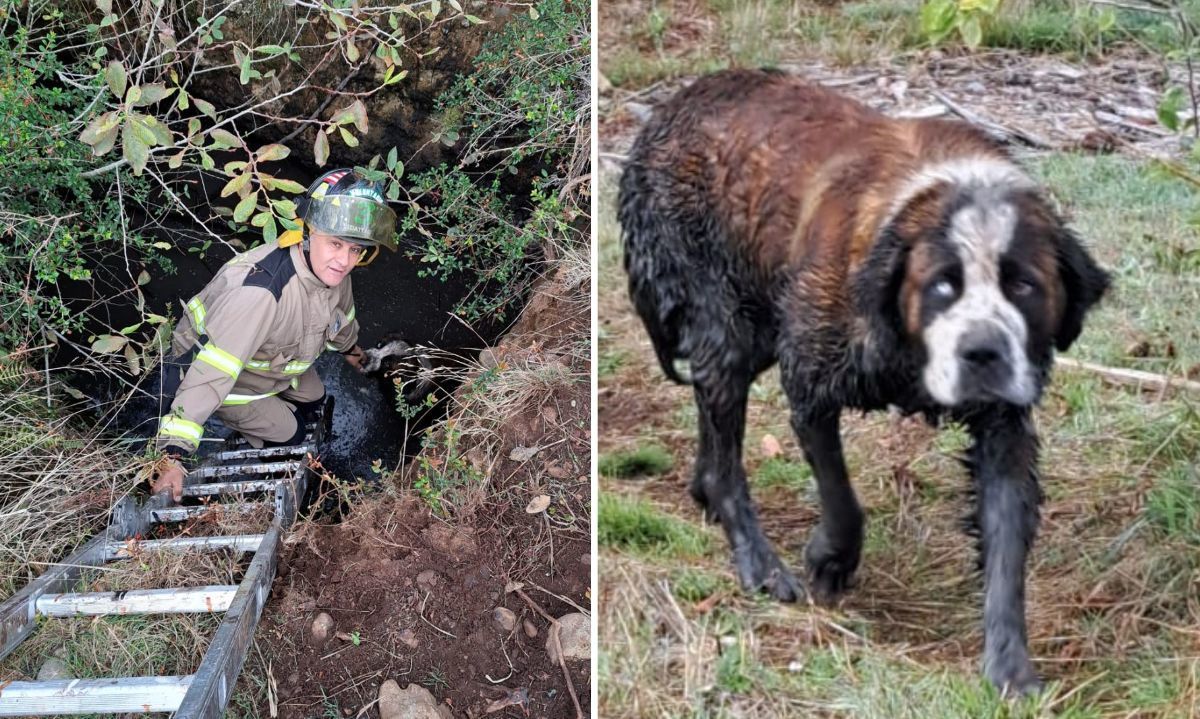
x,y
760,569
830,567
1014,676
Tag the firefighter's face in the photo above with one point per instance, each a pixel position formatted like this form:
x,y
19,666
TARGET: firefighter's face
x,y
332,257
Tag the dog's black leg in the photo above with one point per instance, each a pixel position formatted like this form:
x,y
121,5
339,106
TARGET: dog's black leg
x,y
1004,467
720,483
833,551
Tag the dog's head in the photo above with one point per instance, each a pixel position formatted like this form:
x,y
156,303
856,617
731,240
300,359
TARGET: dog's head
x,y
975,273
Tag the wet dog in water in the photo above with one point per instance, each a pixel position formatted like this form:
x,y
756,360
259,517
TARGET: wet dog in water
x,y
879,262
400,365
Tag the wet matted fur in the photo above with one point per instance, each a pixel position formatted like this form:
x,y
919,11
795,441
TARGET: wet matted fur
x,y
879,262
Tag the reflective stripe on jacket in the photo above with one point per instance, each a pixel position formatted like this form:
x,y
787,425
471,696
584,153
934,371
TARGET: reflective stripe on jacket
x,y
258,325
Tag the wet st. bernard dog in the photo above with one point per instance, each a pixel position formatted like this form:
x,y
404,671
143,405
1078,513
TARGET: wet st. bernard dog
x,y
880,262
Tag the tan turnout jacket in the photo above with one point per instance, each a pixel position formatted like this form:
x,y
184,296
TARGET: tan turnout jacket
x,y
250,333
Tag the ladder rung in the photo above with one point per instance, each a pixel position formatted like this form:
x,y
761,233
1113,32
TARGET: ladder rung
x,y
189,600
227,470
290,451
182,514
94,696
213,488
236,542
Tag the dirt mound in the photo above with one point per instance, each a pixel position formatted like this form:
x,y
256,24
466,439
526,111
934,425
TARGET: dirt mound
x,y
413,599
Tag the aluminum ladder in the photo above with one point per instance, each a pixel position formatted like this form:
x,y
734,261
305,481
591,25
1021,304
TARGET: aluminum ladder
x,y
239,470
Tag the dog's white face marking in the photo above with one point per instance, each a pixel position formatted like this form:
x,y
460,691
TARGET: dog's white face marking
x,y
981,319
968,173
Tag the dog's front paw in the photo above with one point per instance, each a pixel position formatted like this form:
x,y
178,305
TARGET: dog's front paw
x,y
760,569
1013,675
831,565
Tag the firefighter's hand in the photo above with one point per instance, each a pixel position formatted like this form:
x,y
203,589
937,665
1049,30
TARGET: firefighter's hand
x,y
170,476
355,358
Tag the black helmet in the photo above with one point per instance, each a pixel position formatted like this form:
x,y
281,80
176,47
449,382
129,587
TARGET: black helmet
x,y
346,204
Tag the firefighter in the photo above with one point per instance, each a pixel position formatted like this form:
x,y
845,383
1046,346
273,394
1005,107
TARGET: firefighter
x,y
245,346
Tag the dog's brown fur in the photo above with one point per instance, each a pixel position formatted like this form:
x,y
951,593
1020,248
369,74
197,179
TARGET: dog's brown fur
x,y
767,219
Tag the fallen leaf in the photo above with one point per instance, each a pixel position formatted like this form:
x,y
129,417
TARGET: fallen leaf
x,y
538,504
771,447
523,454
518,697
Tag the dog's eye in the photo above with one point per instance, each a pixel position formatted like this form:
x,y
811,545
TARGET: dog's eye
x,y
944,289
1020,287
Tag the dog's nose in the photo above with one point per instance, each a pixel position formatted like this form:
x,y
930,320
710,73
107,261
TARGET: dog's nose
x,y
982,349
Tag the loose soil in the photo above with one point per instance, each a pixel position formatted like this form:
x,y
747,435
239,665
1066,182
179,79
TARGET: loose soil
x,y
412,594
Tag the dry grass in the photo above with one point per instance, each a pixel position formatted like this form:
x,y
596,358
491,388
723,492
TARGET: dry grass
x,y
1114,575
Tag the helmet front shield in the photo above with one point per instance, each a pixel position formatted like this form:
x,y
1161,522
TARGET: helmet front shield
x,y
355,218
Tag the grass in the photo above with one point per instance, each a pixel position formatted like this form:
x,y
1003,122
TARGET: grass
x,y
665,39
634,525
1111,608
647,460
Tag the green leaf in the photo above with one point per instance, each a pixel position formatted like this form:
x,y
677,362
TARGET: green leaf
x,y
937,18
235,185
143,277
395,78
455,4
359,111
133,328
533,13
352,51
182,102
155,319
206,160
193,127
435,7
350,140
136,152
398,170
235,166
271,50
392,159
206,107
321,149
287,208
176,161
162,245
108,344
115,75
133,95
152,93
270,231
108,20
247,71
288,185
245,207
260,220
1169,107
104,6
971,31
268,153
97,127
474,20
393,191
152,126
224,138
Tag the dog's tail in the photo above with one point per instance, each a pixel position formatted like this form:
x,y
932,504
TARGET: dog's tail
x,y
658,286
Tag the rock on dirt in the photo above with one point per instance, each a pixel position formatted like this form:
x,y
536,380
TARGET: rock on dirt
x,y
54,668
412,702
505,619
530,630
322,627
409,637
575,635
458,542
427,579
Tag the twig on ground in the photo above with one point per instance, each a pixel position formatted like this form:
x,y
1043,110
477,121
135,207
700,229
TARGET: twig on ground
x,y
562,660
1133,377
422,615
995,128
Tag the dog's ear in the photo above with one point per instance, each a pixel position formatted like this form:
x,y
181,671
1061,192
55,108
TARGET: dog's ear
x,y
877,294
1084,283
